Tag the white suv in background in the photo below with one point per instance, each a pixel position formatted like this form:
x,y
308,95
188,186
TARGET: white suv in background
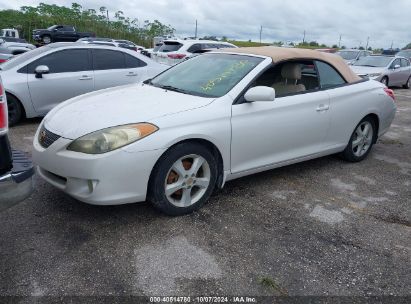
x,y
174,51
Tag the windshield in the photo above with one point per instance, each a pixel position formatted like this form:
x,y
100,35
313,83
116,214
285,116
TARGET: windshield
x,y
374,61
52,27
210,75
17,60
406,54
348,55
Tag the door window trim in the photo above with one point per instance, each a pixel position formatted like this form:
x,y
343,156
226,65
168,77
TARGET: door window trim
x,y
240,96
25,68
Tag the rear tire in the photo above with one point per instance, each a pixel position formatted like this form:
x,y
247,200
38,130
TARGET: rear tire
x,y
384,81
407,85
361,141
183,179
15,110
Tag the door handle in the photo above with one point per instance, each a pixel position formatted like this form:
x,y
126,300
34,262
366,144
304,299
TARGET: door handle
x,y
132,74
85,77
322,107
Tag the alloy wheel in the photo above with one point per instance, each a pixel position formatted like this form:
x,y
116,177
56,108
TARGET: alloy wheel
x,y
187,180
363,137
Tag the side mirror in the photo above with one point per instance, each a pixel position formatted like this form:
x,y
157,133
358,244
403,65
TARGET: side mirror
x,y
397,66
260,93
40,70
2,41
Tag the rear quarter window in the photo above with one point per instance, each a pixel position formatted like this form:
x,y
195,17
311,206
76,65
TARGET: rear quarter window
x,y
329,77
133,62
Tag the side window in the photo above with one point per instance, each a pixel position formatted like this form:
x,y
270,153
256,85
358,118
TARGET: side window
x,y
133,62
329,77
403,63
108,60
290,77
68,29
395,62
194,48
72,60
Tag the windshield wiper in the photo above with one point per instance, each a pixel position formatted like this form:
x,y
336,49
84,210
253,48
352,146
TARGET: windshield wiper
x,y
367,65
171,88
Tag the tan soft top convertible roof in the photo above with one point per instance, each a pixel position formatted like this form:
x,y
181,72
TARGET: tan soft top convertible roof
x,y
280,54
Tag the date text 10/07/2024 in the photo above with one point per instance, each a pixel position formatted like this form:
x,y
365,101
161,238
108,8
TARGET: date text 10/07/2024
x,y
203,299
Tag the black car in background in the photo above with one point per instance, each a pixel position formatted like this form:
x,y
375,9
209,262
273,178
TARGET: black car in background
x,y
59,33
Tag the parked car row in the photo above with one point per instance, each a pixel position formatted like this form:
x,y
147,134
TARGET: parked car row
x,y
112,42
171,52
38,80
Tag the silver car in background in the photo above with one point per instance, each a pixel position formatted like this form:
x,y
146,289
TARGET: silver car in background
x,y
38,80
350,56
391,71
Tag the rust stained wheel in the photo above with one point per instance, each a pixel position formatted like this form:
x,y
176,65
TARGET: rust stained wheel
x,y
183,179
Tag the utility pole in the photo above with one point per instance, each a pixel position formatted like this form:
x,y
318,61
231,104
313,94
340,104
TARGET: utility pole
x,y
261,31
339,42
196,31
108,19
368,40
392,44
304,37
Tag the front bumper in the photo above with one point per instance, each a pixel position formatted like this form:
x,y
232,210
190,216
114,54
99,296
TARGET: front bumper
x,y
17,184
113,178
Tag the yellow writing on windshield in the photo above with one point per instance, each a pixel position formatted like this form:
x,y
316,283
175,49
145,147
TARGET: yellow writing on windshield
x,y
227,73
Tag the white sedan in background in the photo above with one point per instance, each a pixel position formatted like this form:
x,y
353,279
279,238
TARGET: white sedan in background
x,y
40,79
208,120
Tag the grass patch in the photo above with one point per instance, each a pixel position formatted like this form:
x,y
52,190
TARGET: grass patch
x,y
271,284
247,43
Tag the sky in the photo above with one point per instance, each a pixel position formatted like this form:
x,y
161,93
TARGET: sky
x,y
384,22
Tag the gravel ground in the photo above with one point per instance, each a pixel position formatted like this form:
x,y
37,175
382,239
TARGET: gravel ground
x,y
322,227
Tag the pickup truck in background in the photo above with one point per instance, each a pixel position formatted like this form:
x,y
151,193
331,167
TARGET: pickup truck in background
x,y
59,33
16,170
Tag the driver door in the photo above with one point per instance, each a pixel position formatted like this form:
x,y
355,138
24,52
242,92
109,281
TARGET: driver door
x,y
290,127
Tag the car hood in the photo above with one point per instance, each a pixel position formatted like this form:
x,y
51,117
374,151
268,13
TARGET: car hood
x,y
364,70
117,106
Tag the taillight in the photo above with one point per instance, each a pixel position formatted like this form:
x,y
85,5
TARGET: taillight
x,y
390,93
176,56
2,60
3,110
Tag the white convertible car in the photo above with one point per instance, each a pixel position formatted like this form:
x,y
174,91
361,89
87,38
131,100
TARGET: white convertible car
x,y
208,120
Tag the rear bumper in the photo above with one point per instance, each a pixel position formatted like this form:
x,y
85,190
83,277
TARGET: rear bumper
x,y
16,184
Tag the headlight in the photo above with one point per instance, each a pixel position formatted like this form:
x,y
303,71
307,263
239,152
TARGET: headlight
x,y
109,139
374,75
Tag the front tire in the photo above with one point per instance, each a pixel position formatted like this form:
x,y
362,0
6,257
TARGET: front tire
x,y
407,85
183,179
361,141
15,110
46,39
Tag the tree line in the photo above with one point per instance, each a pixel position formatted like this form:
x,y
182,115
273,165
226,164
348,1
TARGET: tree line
x,y
98,21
